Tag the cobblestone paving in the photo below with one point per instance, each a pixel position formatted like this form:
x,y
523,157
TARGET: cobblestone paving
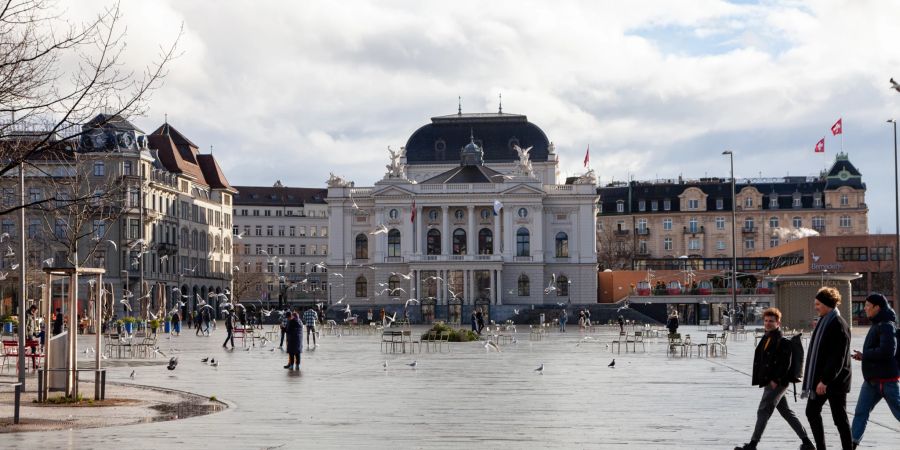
x,y
343,396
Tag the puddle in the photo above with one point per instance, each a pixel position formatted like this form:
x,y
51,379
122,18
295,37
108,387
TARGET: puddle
x,y
184,410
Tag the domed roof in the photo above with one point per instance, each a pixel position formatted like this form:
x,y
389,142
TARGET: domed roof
x,y
443,140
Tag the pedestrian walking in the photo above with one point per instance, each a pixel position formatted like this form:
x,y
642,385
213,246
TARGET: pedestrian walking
x,y
827,374
32,330
310,318
58,322
881,376
176,324
672,322
369,316
771,371
294,333
581,319
229,329
474,322
621,322
479,320
189,318
563,320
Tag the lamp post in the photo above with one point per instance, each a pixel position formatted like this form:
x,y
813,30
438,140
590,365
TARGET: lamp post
x,y
733,242
896,219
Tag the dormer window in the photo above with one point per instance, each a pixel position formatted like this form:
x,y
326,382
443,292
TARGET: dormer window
x,y
667,205
773,202
642,205
693,203
720,204
797,202
845,201
620,206
654,205
748,202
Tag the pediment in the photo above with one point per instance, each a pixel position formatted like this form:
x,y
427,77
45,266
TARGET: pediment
x,y
391,191
522,189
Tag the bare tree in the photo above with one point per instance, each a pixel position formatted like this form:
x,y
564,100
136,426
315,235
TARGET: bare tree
x,y
615,248
246,281
43,102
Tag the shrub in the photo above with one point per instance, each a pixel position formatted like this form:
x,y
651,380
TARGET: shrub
x,y
461,335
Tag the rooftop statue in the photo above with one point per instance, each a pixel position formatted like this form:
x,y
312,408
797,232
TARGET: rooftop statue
x,y
524,166
395,169
336,181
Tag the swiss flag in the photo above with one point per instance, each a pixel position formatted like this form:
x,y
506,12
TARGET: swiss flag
x,y
837,128
820,146
587,156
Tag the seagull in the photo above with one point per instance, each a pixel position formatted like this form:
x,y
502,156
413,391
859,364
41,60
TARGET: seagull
x,y
385,365
113,243
48,261
239,235
405,276
4,236
132,375
3,275
540,369
205,360
516,312
612,365
214,363
9,252
894,85
412,300
413,364
380,229
339,275
125,302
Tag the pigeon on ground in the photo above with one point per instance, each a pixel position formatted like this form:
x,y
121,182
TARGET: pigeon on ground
x,y
413,364
172,363
132,375
612,364
540,369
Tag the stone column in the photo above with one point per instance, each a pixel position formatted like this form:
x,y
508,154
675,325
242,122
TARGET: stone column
x,y
445,230
380,238
493,286
471,235
497,234
499,283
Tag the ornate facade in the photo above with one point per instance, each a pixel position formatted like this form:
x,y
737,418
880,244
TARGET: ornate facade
x,y
469,214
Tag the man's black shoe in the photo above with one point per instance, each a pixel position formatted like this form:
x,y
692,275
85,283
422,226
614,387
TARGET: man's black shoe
x,y
750,446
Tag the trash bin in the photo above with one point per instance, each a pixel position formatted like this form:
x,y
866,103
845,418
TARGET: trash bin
x,y
59,359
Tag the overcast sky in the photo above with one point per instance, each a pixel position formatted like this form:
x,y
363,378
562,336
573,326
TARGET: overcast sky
x,y
295,90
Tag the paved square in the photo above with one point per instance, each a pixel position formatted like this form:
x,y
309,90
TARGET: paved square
x,y
464,398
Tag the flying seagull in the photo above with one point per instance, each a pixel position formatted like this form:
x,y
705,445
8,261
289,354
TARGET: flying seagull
x,y
894,85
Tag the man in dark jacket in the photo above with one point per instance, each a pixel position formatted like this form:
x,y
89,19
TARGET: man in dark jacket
x,y
827,374
771,370
879,365
58,322
229,328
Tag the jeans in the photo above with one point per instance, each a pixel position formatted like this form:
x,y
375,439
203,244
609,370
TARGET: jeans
x,y
313,331
772,399
837,401
562,326
869,396
229,337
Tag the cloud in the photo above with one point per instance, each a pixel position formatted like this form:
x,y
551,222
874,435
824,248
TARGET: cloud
x,y
294,90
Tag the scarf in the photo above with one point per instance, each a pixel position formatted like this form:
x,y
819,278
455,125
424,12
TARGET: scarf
x,y
809,389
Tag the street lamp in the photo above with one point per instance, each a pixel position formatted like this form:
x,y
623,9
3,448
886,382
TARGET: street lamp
x,y
896,219
733,242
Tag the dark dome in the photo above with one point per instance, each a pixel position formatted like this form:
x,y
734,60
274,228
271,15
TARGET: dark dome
x,y
446,136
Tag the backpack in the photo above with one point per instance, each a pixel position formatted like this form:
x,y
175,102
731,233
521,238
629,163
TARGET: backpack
x,y
795,371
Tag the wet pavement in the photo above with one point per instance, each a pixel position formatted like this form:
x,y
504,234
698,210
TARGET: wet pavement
x,y
466,397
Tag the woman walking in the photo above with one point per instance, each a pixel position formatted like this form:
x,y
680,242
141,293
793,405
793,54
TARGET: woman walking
x,y
294,334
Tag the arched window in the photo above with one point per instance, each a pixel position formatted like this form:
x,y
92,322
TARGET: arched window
x,y
773,222
459,241
562,245
562,286
362,247
204,241
524,286
485,241
194,242
227,246
393,284
185,238
361,286
218,244
433,242
393,242
523,242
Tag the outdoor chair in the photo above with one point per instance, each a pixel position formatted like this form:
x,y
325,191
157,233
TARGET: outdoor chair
x,y
638,338
687,345
444,339
623,338
10,350
675,343
757,335
720,343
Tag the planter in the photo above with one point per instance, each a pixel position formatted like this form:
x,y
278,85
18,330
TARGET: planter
x,y
8,327
128,327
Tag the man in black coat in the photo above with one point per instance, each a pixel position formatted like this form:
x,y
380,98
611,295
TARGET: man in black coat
x,y
58,322
827,374
229,329
771,371
879,365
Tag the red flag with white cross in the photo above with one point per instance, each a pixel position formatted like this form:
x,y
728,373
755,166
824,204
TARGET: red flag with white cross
x,y
837,128
820,146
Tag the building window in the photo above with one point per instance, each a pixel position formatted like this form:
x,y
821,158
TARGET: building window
x,y
99,169
693,244
844,200
693,225
882,254
748,224
845,222
127,168
362,246
270,230
642,247
524,286
485,241
773,202
817,201
562,286
523,242
258,230
667,224
797,222
281,230
667,205
361,286
667,244
642,205
773,222
393,284
654,205
797,201
433,242
523,213
720,245
459,241
292,231
818,223
749,243
642,226
773,242
720,204
693,204
852,254
748,202
485,213
620,206
393,242
562,244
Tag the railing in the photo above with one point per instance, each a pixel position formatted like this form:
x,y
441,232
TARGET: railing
x,y
429,258
619,232
522,258
694,230
558,187
393,259
642,231
749,230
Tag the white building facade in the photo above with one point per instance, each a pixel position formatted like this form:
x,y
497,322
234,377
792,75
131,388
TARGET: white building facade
x,y
470,214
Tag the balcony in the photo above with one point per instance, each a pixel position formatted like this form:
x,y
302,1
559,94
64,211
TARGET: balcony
x,y
749,230
694,230
621,232
460,258
165,248
642,231
819,228
393,259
